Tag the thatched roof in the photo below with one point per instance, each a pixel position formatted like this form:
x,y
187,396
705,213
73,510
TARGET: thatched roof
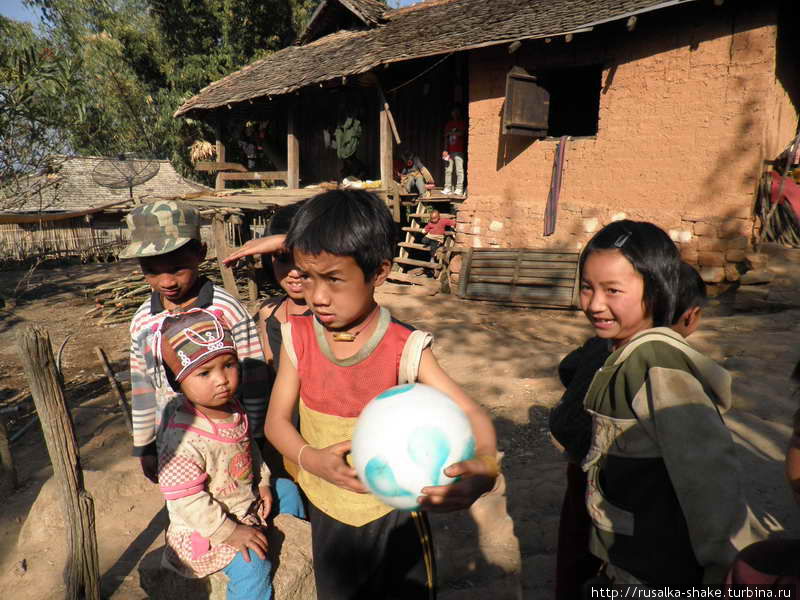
x,y
73,188
327,18
426,29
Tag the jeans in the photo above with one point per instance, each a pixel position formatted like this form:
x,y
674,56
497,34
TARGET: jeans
x,y
288,498
433,245
416,184
456,158
249,580
253,580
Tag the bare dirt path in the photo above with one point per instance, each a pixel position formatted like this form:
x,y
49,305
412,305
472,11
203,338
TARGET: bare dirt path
x,y
505,358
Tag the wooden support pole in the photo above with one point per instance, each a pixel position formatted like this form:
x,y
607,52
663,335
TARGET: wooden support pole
x,y
221,245
219,184
292,151
386,145
114,383
82,573
8,474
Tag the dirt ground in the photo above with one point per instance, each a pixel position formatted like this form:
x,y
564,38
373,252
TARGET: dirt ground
x,y
505,358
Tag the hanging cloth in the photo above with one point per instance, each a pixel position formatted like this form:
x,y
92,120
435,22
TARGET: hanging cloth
x,y
551,209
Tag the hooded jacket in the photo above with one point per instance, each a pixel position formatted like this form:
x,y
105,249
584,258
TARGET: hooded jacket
x,y
664,490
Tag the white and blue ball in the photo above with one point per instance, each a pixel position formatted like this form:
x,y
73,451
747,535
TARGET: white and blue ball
x,y
405,438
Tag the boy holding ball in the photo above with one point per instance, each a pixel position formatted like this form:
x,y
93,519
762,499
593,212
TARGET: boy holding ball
x,y
332,364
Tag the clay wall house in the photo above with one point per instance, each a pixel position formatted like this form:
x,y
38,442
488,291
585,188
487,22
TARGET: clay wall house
x,y
669,109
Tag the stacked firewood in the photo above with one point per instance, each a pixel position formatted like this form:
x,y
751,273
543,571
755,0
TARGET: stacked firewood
x,y
117,300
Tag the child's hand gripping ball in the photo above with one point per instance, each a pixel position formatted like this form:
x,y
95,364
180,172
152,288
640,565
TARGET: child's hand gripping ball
x,y
405,438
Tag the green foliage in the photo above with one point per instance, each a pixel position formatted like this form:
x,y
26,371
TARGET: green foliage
x,y
37,81
139,60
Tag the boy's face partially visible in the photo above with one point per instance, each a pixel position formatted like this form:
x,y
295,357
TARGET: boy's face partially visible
x,y
434,217
173,275
335,288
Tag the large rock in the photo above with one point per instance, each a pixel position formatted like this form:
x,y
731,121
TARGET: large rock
x,y
290,551
112,491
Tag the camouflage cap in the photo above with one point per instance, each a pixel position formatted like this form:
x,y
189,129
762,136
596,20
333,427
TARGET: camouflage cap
x,y
160,227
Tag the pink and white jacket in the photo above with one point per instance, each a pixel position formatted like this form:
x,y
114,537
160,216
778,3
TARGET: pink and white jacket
x,y
209,472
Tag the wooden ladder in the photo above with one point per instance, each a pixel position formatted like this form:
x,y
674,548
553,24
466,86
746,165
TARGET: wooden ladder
x,y
414,232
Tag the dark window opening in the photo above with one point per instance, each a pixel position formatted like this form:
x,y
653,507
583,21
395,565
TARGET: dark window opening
x,y
552,103
574,100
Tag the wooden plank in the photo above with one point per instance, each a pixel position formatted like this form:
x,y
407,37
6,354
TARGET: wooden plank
x,y
254,176
551,281
221,246
418,263
413,229
415,279
465,273
427,214
220,166
413,245
526,263
497,291
11,218
292,151
511,254
567,272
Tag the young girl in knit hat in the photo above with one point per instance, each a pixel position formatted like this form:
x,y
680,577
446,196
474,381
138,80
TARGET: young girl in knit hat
x,y
210,472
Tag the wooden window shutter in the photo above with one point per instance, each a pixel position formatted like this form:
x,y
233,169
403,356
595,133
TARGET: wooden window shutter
x,y
527,105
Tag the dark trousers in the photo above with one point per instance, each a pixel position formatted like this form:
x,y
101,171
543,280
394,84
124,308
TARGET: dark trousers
x,y
434,245
390,558
574,563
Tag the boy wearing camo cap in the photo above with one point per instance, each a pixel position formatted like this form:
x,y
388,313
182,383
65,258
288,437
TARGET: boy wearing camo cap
x,y
165,238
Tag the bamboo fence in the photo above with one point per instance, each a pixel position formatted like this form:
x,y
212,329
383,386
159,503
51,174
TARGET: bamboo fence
x,y
52,239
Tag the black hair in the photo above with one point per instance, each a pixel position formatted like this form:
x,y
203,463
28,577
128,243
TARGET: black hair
x,y
345,223
282,218
652,254
691,291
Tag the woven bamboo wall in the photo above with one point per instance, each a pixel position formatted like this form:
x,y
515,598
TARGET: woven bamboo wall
x,y
73,237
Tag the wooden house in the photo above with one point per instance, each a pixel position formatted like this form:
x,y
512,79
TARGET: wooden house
x,y
664,110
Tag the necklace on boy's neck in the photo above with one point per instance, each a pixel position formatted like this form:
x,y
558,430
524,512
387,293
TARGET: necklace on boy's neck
x,y
350,336
177,307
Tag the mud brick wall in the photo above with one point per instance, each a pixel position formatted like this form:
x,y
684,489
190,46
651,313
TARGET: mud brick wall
x,y
690,106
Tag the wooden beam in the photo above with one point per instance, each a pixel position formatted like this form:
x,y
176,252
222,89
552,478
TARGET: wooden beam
x,y
221,245
292,151
220,166
385,145
255,176
44,217
218,131
114,383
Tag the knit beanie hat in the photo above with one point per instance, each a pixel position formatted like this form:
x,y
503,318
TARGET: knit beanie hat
x,y
189,339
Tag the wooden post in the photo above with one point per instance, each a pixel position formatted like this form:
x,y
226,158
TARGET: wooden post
x,y
219,183
386,146
292,151
8,474
114,383
82,573
221,244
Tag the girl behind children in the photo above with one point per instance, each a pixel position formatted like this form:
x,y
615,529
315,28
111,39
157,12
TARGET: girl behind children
x,y
210,471
276,311
663,488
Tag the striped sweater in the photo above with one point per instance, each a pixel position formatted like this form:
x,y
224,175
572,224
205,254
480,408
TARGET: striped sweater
x,y
152,395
